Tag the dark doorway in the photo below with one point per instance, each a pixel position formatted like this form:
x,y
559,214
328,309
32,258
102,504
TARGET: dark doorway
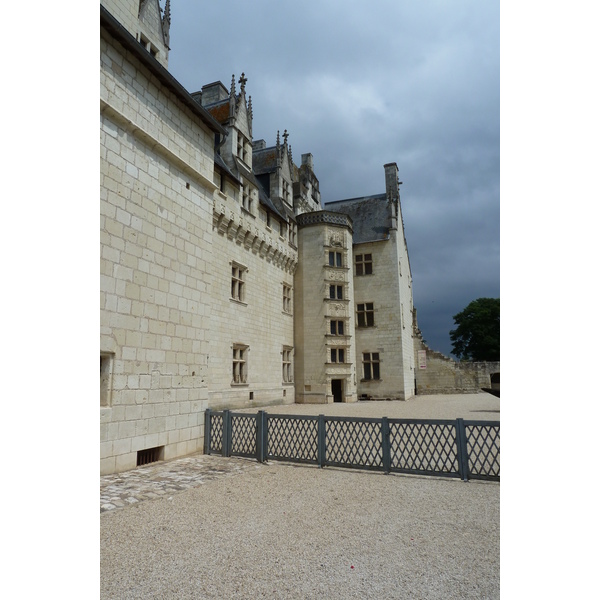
x,y
337,389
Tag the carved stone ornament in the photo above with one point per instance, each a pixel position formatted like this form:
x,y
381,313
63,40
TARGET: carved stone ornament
x,y
335,239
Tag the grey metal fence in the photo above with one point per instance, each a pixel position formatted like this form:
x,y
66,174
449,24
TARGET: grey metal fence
x,y
450,448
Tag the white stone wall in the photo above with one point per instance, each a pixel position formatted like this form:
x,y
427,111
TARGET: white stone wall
x,y
314,310
125,11
148,23
156,216
391,337
258,321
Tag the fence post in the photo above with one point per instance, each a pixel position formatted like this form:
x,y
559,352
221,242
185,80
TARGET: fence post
x,y
321,449
261,436
226,449
461,447
385,445
207,430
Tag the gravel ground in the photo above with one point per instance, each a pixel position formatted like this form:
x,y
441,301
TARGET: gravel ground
x,y
295,531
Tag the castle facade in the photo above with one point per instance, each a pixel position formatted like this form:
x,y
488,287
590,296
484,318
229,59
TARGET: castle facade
x,y
225,282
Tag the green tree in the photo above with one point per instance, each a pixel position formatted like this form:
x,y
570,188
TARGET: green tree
x,y
477,335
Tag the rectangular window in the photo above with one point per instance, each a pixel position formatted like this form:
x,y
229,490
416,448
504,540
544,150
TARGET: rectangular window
x,y
371,365
336,292
335,259
288,372
337,355
240,373
365,315
240,146
105,378
336,327
292,234
287,298
237,282
247,198
363,264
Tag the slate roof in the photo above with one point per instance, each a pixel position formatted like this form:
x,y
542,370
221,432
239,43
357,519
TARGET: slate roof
x,y
265,160
219,110
369,214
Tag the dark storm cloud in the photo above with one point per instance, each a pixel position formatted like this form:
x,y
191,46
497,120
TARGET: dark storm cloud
x,y
363,84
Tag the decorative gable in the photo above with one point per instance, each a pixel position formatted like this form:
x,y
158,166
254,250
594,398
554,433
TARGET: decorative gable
x,y
154,29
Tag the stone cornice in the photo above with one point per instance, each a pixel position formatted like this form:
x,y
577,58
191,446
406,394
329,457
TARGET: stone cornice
x,y
241,231
324,217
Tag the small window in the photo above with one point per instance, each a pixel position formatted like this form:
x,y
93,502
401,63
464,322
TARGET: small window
x,y
336,292
336,327
238,275
365,315
363,264
287,371
247,198
335,259
287,299
240,355
337,355
292,233
371,365
106,361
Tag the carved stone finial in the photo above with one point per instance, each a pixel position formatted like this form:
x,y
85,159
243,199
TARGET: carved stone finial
x,y
250,107
232,89
285,136
278,138
242,82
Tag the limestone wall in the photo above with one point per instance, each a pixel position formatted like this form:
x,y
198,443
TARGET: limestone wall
x,y
156,216
390,337
438,374
258,320
318,235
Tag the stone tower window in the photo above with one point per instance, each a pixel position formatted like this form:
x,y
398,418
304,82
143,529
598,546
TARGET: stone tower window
x,y
371,365
365,315
335,259
337,355
336,292
336,327
364,264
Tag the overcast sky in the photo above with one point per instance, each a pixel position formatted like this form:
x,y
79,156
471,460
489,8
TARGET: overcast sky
x,y
363,83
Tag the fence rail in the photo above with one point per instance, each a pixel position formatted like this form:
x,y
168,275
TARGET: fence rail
x,y
450,448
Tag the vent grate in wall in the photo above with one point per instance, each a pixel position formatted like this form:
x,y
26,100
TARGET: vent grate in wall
x,y
150,455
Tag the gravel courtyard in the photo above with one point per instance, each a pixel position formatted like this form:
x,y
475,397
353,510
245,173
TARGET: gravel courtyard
x,y
280,530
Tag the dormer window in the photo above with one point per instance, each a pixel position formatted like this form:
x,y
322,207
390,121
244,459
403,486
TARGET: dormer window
x,y
148,45
242,148
286,192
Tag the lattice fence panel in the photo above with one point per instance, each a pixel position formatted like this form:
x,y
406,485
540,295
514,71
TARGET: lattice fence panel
x,y
216,433
423,447
483,446
354,443
243,435
293,439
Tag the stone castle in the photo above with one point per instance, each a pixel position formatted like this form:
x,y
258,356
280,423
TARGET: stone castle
x,y
225,283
